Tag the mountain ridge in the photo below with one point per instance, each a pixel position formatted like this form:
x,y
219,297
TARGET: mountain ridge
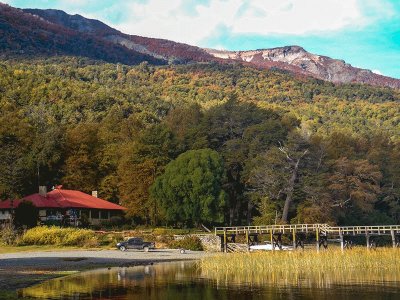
x,y
23,34
319,66
55,32
159,48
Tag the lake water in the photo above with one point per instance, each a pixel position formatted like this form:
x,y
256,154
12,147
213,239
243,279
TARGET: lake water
x,y
184,280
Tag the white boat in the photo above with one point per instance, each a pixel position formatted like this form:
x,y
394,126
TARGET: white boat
x,y
268,247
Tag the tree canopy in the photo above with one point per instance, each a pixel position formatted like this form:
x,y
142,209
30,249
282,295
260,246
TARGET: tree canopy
x,y
326,152
190,190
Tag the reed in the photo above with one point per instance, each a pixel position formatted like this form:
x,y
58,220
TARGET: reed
x,y
330,266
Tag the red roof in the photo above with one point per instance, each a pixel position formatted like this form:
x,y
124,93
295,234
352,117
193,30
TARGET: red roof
x,y
59,198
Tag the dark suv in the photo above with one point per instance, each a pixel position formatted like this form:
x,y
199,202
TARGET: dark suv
x,y
135,243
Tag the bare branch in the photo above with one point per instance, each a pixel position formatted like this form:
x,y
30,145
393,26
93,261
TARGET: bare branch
x,y
284,151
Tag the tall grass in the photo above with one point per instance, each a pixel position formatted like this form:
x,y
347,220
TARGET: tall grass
x,y
8,234
188,242
325,267
57,236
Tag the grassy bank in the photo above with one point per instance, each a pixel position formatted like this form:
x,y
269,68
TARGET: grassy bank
x,y
57,237
332,266
52,237
45,248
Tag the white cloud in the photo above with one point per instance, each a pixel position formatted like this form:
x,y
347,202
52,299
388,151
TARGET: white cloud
x,y
169,19
196,21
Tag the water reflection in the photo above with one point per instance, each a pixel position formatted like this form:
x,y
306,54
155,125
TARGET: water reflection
x,y
185,280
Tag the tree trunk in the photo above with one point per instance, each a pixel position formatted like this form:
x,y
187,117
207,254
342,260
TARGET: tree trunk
x,y
239,216
289,194
231,215
249,210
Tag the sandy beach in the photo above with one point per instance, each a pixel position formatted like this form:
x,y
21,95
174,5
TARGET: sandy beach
x,y
18,270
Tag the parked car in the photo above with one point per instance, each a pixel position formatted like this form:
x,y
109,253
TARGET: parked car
x,y
135,243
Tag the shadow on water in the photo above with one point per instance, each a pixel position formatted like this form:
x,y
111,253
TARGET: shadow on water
x,y
185,280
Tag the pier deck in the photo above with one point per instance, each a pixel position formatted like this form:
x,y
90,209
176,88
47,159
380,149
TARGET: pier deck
x,y
321,231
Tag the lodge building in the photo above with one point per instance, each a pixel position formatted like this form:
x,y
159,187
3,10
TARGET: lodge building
x,y
67,206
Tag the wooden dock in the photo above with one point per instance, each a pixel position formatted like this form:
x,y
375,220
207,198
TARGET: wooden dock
x,y
298,232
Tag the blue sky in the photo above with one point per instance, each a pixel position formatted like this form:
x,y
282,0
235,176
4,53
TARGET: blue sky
x,y
365,33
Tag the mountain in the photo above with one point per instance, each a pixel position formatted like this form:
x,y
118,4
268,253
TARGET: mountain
x,y
157,48
298,60
36,32
24,34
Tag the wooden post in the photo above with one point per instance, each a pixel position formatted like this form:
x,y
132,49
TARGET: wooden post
x,y
341,241
393,238
225,246
367,238
294,239
272,240
317,237
247,240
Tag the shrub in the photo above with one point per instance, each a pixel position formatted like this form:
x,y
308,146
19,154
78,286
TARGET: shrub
x,y
164,238
77,237
8,234
160,231
188,242
110,239
57,236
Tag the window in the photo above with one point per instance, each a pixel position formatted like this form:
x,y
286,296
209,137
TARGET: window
x,y
51,212
95,214
103,214
135,241
73,213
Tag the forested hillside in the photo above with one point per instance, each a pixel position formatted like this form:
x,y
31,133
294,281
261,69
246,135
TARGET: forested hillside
x,y
295,150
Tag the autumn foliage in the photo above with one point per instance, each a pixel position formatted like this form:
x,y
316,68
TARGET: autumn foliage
x,y
329,152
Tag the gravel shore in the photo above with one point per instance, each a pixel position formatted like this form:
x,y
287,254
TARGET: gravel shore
x,y
18,270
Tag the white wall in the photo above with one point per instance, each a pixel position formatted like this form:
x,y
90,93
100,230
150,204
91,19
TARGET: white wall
x,y
4,215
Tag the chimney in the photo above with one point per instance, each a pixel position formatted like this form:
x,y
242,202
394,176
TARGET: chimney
x,y
42,190
94,194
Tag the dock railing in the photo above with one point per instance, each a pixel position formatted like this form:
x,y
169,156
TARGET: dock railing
x,y
297,231
308,228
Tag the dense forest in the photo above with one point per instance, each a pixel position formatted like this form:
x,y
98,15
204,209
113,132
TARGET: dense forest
x,y
202,143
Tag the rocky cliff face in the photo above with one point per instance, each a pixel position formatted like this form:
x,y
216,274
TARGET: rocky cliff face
x,y
298,60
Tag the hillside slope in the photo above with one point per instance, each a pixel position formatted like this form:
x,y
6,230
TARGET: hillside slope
x,y
114,128
23,34
158,48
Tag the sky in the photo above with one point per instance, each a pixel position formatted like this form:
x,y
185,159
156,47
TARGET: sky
x,y
364,33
